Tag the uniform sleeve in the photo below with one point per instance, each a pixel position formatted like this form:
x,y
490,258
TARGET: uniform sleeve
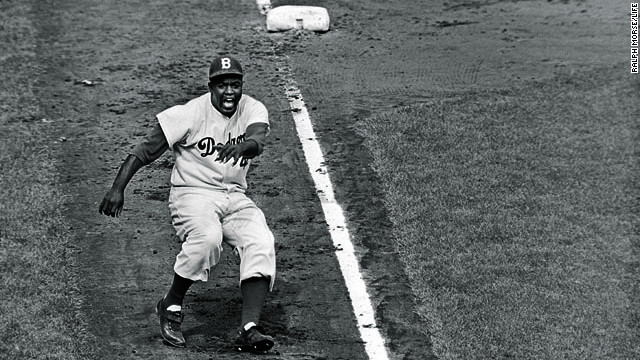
x,y
175,123
152,146
257,113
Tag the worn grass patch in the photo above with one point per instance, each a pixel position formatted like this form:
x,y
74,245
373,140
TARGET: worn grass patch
x,y
516,216
40,314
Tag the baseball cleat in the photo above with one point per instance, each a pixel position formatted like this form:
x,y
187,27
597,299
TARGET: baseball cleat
x,y
170,320
253,340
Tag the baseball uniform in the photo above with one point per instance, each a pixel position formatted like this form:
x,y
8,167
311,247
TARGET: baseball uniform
x,y
213,138
207,200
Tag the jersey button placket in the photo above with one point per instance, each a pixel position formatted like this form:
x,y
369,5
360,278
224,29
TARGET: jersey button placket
x,y
231,124
225,168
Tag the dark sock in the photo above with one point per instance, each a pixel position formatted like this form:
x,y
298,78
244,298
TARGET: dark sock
x,y
178,289
254,291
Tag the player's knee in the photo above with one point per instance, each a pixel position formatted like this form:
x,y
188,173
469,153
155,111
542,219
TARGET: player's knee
x,y
259,248
213,245
266,245
206,239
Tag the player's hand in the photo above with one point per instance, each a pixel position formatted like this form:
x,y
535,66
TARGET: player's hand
x,y
112,203
228,152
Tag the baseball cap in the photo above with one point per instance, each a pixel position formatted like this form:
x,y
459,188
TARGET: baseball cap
x,y
225,65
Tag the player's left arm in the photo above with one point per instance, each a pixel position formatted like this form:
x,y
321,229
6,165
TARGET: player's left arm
x,y
255,138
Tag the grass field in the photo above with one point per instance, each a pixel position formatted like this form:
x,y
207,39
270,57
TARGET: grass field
x,y
515,213
40,307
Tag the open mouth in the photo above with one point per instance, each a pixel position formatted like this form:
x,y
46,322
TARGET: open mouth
x,y
228,103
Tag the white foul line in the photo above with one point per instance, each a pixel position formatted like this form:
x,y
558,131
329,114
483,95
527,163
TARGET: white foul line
x,y
334,215
373,341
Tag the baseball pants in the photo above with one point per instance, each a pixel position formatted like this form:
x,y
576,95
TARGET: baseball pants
x,y
203,219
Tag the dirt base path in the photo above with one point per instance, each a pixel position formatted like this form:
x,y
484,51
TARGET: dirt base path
x,y
108,68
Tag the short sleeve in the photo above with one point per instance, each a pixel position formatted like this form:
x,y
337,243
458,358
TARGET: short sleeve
x,y
257,113
176,124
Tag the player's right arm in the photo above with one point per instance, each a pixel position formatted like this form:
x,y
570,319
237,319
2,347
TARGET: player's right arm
x,y
152,146
113,201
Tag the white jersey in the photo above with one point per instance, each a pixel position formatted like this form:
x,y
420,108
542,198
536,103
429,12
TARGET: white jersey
x,y
194,128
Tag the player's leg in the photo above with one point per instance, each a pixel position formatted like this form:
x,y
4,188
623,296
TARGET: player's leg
x,y
178,290
254,292
246,229
197,224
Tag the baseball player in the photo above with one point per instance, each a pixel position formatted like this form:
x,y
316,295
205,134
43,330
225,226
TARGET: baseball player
x,y
213,138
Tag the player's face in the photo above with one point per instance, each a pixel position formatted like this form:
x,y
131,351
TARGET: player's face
x,y
226,92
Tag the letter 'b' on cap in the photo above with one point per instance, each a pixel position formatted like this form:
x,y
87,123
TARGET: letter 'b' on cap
x,y
224,65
